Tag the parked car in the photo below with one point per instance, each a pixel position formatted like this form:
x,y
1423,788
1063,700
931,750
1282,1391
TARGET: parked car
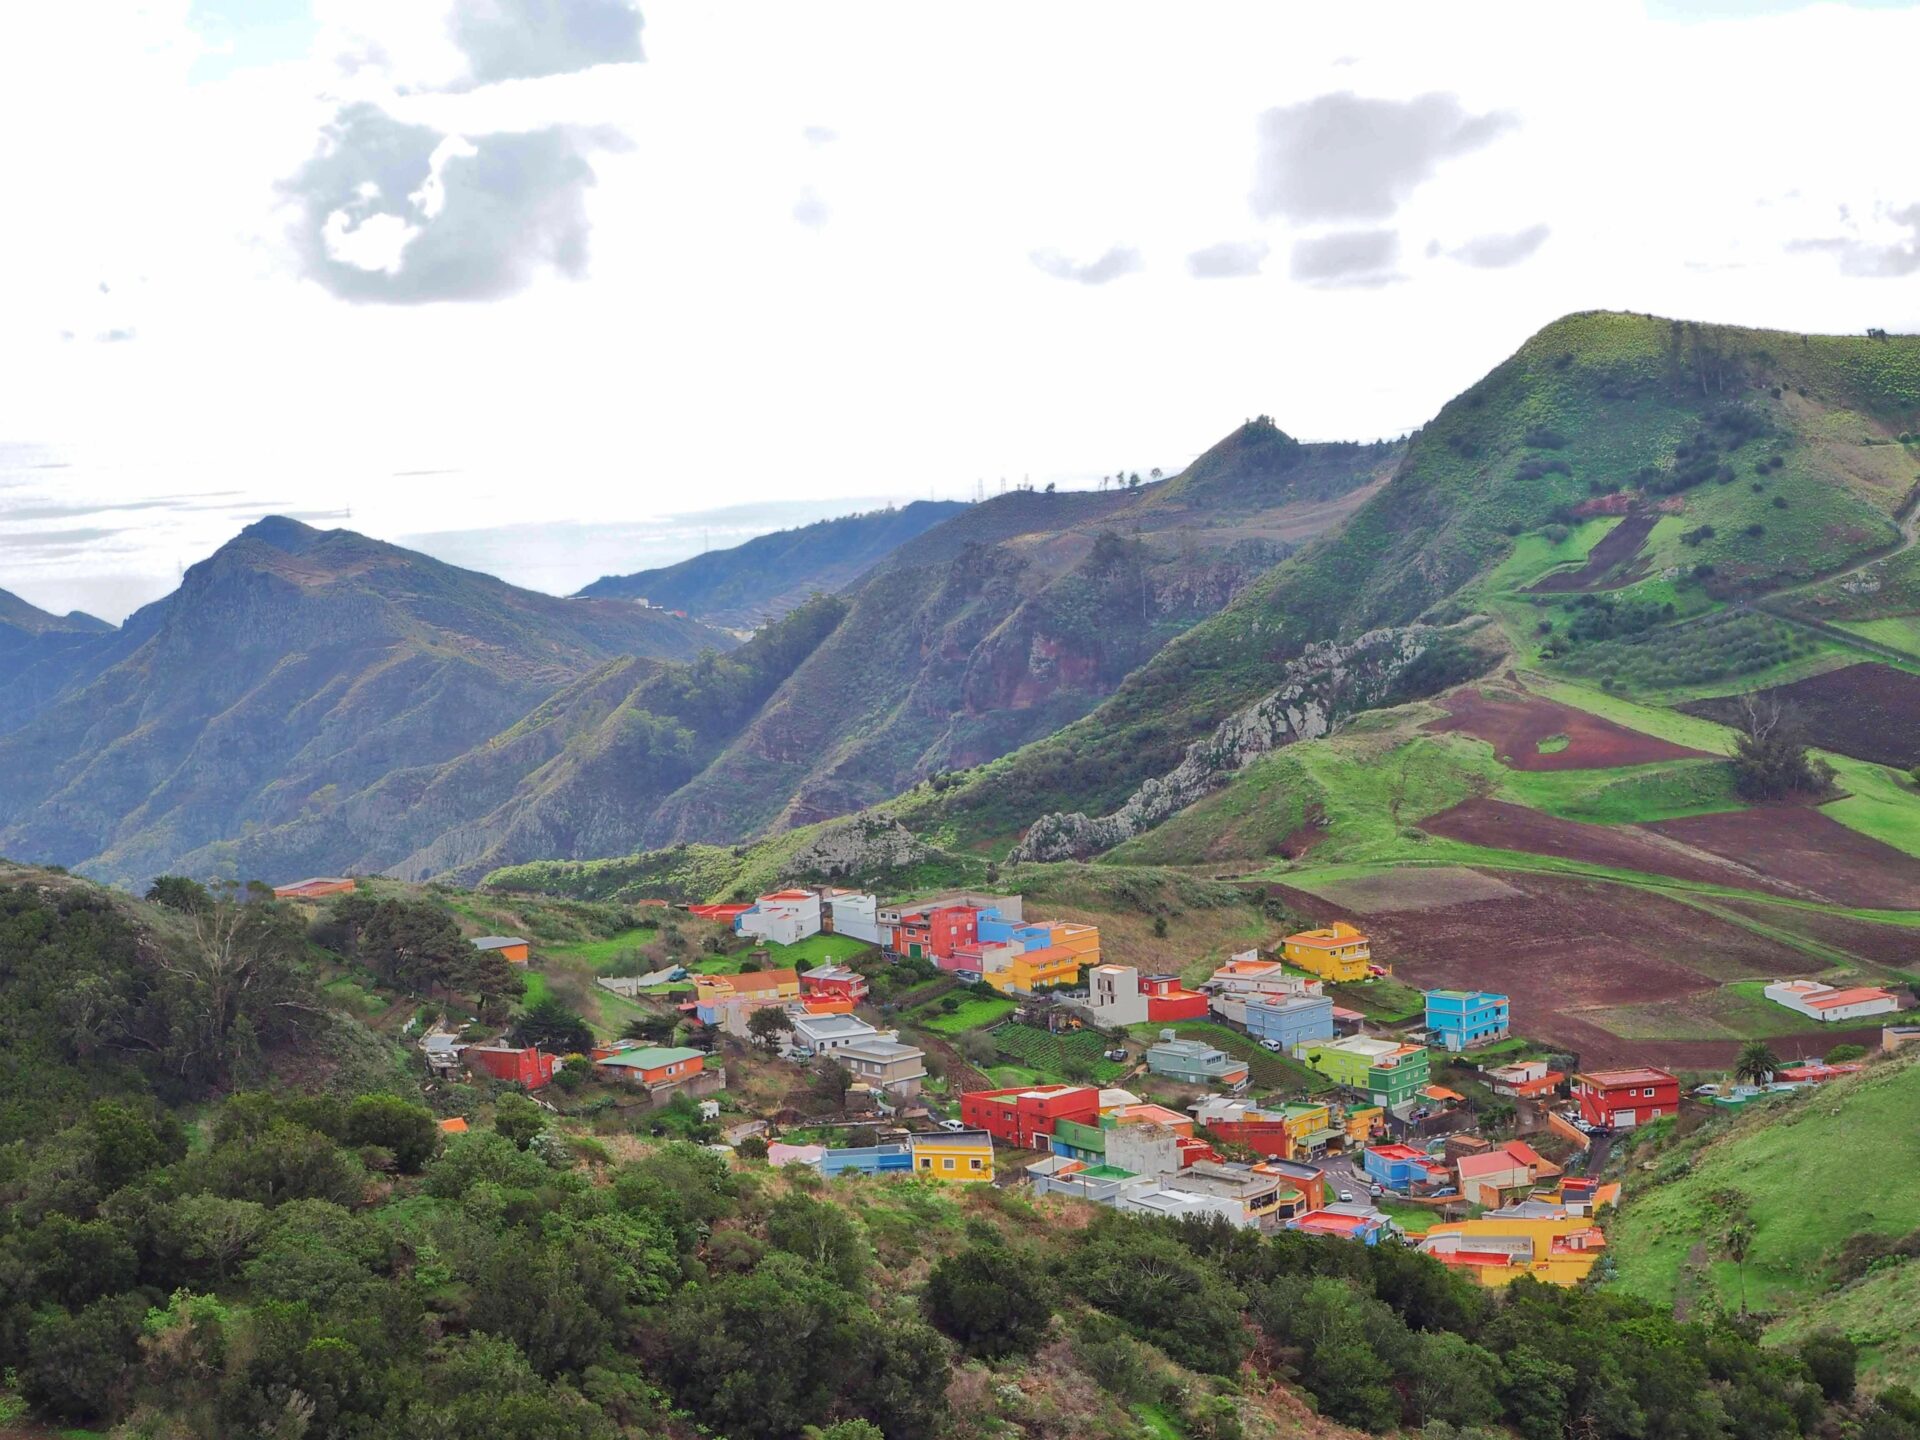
x,y
1347,1196
1116,1054
953,1124
1273,1045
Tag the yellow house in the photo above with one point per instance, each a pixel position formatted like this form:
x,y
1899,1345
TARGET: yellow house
x,y
1338,953
762,985
1535,1239
1302,1119
962,1156
1032,970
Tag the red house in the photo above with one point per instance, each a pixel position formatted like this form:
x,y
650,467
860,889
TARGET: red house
x,y
1622,1099
531,1067
933,934
1025,1118
833,982
1168,999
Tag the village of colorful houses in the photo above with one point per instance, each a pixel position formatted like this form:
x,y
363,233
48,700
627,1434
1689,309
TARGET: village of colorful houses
x,y
1380,1151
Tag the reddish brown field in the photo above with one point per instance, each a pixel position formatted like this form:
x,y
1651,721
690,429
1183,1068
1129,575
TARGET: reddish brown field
x,y
1515,724
1871,712
1797,846
1895,946
1502,826
1615,551
1562,946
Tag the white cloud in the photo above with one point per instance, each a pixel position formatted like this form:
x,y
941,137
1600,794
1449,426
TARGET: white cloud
x,y
646,312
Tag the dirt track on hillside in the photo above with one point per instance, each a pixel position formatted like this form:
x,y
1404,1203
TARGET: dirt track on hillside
x,y
1516,724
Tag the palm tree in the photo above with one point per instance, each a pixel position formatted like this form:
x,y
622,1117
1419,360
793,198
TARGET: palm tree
x,y
1756,1064
1739,1240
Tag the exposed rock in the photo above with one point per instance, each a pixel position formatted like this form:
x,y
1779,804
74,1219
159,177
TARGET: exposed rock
x,y
866,844
1327,682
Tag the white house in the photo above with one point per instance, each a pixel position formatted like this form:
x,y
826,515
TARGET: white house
x,y
1245,977
1828,1003
849,912
1113,994
815,1035
785,917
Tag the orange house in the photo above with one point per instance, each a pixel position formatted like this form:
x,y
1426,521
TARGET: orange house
x,y
508,947
653,1066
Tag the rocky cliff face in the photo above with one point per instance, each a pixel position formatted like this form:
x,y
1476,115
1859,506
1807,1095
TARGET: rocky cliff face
x,y
1326,683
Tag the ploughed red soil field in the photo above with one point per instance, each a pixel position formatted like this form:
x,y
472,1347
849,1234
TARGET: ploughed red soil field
x,y
1497,824
1616,548
1798,845
1515,724
1867,711
1895,946
1564,945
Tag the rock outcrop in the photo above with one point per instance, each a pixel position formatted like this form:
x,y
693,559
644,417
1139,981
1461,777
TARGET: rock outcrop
x,y
863,845
1326,683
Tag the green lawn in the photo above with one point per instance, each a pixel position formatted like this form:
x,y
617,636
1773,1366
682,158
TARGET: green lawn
x,y
1386,1000
817,950
537,988
976,1012
1900,632
615,955
1804,1174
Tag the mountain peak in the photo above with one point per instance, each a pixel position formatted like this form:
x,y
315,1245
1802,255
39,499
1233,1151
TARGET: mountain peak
x,y
283,533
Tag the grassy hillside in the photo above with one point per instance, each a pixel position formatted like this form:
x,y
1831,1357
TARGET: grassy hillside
x,y
1821,1183
1676,422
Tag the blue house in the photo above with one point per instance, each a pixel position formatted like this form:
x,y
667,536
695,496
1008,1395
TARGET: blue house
x,y
1401,1167
991,929
1291,1020
1460,1019
867,1160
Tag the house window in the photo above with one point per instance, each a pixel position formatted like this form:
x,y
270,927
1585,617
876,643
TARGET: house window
x,y
1648,1092
926,1164
976,1164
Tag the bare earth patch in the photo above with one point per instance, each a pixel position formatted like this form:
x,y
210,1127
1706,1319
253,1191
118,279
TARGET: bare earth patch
x,y
1528,733
1564,948
1796,845
1504,826
1867,711
1411,889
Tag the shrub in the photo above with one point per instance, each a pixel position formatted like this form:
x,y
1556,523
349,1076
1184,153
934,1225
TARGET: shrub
x,y
990,1301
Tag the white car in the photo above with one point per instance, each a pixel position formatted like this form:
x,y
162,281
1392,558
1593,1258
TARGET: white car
x,y
953,1124
1273,1045
1347,1196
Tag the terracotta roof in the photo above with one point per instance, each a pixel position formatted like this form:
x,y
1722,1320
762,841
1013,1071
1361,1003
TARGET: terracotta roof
x,y
1490,1163
751,980
1523,1152
1440,1092
1646,1075
1858,995
455,1126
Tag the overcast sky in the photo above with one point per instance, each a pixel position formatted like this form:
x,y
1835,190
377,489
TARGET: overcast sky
x,y
510,279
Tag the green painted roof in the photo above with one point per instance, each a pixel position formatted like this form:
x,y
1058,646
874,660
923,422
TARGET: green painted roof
x,y
652,1059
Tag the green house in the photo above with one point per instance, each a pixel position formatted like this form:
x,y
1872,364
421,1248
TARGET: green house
x,y
1385,1071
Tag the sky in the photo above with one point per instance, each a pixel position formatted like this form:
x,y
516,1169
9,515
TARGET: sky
x,y
560,288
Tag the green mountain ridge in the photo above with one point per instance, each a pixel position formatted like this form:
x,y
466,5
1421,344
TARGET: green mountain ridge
x,y
291,661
